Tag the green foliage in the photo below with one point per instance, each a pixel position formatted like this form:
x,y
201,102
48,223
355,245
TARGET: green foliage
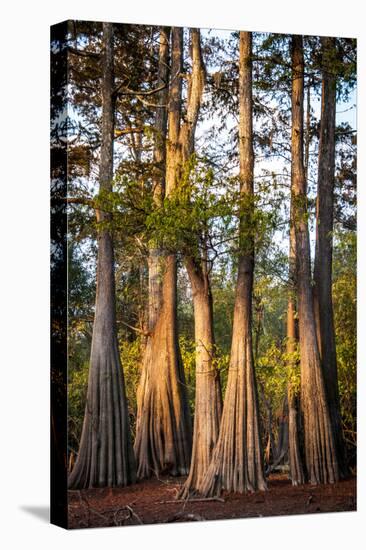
x,y
191,210
77,388
131,357
272,374
81,283
292,360
269,308
345,318
188,353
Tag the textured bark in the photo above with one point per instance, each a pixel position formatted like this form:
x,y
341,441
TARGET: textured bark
x,y
208,403
237,462
163,427
323,303
295,461
196,85
105,455
155,254
307,132
320,456
163,442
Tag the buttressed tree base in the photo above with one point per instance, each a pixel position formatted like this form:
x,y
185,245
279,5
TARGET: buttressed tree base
x,y
203,274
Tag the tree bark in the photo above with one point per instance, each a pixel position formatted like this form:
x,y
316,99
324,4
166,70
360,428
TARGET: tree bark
x,y
155,253
308,131
208,402
320,456
296,467
237,462
163,427
105,455
323,303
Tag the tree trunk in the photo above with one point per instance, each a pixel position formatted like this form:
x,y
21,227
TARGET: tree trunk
x,y
237,462
105,455
296,468
281,449
163,427
321,460
308,131
323,303
268,451
208,402
155,253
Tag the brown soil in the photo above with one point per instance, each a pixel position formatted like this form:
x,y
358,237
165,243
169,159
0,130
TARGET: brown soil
x,y
153,501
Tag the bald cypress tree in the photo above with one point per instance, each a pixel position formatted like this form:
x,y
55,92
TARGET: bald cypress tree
x,y
208,402
323,302
237,462
163,428
105,455
320,453
295,459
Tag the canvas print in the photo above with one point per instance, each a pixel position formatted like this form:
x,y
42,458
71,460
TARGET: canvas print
x,y
203,266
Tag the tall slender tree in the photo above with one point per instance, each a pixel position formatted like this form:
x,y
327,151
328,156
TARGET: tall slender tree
x,y
295,461
208,402
323,302
237,462
163,428
105,454
158,181
320,455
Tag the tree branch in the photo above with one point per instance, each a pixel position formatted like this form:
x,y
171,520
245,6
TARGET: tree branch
x,y
80,200
82,53
128,91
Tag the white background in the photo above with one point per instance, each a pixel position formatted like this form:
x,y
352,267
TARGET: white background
x,y
24,288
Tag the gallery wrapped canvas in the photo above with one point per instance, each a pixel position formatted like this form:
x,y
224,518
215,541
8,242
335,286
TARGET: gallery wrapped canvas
x,y
203,270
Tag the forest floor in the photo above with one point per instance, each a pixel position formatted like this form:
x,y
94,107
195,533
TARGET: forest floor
x,y
153,501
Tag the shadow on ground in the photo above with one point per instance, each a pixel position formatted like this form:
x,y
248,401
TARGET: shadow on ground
x,y
40,512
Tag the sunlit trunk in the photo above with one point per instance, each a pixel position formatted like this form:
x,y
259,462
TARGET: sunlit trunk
x,y
237,463
163,428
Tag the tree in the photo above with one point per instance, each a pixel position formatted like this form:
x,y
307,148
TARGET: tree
x,y
163,427
158,184
320,455
208,391
323,302
295,461
236,463
105,455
